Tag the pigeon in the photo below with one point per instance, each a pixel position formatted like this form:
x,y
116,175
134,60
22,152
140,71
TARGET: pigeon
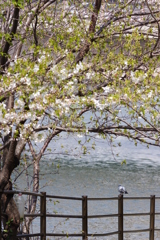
x,y
122,190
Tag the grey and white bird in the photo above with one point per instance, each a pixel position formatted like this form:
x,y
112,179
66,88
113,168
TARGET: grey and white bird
x,y
122,190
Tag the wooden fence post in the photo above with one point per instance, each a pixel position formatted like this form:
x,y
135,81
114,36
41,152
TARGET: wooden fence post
x,y
43,217
84,218
120,217
152,216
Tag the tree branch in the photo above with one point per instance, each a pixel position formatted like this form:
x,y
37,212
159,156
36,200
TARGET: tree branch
x,y
85,49
8,43
53,134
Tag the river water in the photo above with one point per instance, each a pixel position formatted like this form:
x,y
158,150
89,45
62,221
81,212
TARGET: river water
x,y
97,175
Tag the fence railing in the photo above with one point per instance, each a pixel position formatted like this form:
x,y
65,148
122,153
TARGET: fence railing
x,y
85,217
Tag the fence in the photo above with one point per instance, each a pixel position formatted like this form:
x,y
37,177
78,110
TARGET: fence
x,y
85,217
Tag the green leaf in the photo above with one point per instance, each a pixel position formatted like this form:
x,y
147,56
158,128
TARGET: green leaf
x,y
123,162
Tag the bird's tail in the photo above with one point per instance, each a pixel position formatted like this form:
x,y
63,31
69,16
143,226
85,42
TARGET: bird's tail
x,y
126,192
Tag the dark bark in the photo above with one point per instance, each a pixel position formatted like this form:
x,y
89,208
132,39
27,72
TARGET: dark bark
x,y
85,49
8,204
4,55
10,155
12,215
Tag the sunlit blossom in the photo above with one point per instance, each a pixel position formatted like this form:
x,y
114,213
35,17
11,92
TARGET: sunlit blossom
x,y
79,67
36,68
150,94
20,103
107,89
79,135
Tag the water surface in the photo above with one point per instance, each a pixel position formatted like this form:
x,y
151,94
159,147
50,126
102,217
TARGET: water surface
x,y
97,175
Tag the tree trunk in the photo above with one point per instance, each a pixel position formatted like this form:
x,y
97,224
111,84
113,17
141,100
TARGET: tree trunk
x,y
11,158
33,201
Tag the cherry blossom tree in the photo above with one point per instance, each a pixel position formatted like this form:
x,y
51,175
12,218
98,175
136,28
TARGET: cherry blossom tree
x,y
79,67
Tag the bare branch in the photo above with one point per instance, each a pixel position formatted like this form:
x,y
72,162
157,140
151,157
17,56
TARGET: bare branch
x,y
53,134
32,149
3,58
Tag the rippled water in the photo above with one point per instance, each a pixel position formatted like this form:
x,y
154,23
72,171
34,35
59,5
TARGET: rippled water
x,y
100,181
98,175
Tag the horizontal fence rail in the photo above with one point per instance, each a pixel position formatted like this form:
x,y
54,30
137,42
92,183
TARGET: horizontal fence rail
x,y
85,217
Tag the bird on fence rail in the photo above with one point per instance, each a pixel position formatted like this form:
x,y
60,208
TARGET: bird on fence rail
x,y
122,190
